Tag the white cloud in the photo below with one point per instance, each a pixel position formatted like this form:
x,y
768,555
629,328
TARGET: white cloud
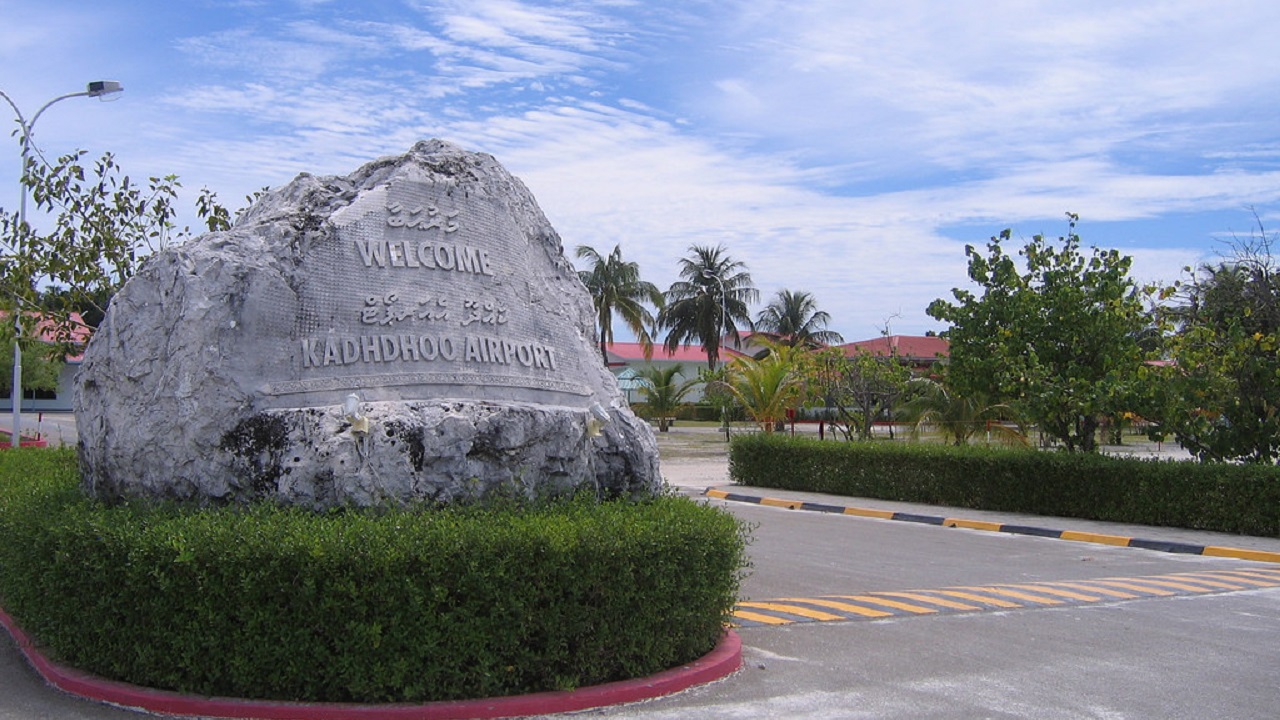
x,y
959,85
831,145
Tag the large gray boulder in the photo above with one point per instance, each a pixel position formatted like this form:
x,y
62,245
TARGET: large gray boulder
x,y
410,332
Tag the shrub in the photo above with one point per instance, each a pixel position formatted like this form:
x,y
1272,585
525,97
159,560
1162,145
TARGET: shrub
x,y
406,606
1221,497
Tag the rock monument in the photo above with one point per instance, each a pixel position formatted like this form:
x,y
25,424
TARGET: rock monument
x,y
410,332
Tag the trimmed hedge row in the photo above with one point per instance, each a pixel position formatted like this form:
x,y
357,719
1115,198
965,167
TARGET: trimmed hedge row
x,y
1242,499
391,606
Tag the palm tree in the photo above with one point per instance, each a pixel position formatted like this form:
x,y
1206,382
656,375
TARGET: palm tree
x,y
662,393
957,417
616,287
705,303
793,319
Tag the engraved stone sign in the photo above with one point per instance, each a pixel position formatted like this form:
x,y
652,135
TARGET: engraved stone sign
x,y
409,332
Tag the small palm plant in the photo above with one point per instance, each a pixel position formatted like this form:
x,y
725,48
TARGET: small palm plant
x,y
768,387
663,392
959,418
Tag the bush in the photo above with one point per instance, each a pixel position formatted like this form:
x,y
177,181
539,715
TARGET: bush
x,y
1221,497
391,606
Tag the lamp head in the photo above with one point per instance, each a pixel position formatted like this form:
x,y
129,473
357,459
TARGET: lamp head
x,y
101,88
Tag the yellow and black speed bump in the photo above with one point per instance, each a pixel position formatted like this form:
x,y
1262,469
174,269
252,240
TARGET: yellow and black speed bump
x,y
1117,540
876,605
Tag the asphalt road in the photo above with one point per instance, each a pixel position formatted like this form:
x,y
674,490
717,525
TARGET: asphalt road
x,y
1175,657
1191,656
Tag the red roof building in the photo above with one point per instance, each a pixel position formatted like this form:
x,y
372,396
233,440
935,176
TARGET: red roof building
x,y
622,354
920,351
59,400
626,358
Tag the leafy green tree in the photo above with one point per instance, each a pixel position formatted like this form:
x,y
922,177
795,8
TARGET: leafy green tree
x,y
1059,339
616,288
664,392
793,318
767,387
860,388
704,305
98,227
41,363
1220,395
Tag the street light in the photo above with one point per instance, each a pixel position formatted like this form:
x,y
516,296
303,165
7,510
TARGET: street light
x,y
98,89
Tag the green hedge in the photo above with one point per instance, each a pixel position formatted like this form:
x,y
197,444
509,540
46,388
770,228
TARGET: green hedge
x,y
1241,499
274,603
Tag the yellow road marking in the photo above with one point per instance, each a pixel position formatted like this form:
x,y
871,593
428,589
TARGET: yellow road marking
x,y
1045,588
1255,582
973,524
1095,538
791,610
1132,586
930,599
1189,585
1264,574
979,598
868,512
788,504
888,603
1016,594
1215,582
1091,588
1256,555
763,619
846,607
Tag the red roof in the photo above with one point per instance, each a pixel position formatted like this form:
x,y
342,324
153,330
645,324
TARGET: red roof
x,y
918,347
46,331
621,353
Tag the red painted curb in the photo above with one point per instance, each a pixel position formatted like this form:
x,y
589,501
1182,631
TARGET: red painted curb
x,y
721,662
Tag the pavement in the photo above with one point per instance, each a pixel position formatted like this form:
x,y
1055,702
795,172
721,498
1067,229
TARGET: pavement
x,y
24,694
57,428
1164,539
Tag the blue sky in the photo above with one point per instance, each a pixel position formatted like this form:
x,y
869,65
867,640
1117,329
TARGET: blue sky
x,y
849,149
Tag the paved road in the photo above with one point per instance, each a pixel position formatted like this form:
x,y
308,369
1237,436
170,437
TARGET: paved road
x,y
1191,656
1213,654
56,428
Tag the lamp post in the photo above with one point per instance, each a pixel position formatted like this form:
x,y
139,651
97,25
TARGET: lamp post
x,y
97,88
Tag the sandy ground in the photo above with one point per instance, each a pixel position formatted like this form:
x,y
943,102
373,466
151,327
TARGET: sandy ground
x,y
693,458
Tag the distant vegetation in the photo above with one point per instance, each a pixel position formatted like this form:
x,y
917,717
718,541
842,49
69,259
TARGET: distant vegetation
x,y
1056,344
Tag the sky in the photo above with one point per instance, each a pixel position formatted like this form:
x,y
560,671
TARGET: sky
x,y
843,148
